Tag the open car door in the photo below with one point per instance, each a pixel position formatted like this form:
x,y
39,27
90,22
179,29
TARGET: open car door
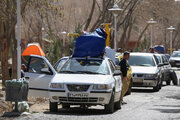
x,y
39,73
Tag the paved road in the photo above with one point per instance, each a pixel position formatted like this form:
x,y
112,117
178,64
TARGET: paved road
x,y
143,104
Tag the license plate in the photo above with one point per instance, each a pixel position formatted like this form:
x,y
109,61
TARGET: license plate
x,y
139,80
81,95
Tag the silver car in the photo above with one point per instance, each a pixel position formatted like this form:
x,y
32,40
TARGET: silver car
x,y
146,70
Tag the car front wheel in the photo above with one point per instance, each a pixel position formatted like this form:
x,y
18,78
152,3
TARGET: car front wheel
x,y
156,88
109,108
118,104
53,106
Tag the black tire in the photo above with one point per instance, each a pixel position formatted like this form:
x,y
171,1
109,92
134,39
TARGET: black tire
x,y
65,106
168,82
118,104
160,85
156,88
129,89
174,78
109,108
53,106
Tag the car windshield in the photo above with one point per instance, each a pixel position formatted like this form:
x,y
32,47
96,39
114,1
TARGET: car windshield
x,y
176,55
60,63
141,61
84,66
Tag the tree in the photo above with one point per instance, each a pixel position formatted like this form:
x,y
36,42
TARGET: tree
x,y
8,15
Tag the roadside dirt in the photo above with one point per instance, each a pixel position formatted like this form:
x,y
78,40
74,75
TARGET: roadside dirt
x,y
36,105
4,106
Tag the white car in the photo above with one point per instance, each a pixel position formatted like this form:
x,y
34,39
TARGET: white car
x,y
146,70
165,69
80,81
174,60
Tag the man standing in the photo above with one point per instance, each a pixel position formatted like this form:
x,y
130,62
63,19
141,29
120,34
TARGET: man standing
x,y
124,66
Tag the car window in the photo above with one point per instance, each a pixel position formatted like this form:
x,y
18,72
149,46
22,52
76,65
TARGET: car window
x,y
117,61
87,66
175,54
112,66
36,65
60,63
158,59
165,59
137,60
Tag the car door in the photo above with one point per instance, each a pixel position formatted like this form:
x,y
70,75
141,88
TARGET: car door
x,y
167,67
39,73
118,83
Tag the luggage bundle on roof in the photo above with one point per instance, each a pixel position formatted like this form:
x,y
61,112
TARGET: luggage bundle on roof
x,y
92,44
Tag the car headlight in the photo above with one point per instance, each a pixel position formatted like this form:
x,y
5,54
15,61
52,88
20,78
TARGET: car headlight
x,y
102,87
57,85
150,75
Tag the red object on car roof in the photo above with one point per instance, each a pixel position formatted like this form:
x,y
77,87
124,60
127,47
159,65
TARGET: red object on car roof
x,y
33,49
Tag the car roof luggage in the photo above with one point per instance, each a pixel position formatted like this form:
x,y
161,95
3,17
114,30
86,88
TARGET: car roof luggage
x,y
92,44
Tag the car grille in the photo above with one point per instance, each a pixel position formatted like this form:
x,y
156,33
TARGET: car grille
x,y
137,75
74,99
77,88
175,64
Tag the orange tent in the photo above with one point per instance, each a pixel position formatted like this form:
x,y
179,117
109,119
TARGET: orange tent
x,y
33,49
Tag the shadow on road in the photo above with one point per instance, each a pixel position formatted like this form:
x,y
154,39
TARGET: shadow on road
x,y
168,106
142,90
177,97
168,110
77,111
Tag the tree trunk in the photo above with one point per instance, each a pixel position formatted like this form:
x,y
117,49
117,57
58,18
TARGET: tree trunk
x,y
90,15
141,35
4,60
14,55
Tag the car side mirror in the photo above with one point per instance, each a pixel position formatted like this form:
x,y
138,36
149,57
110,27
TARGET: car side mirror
x,y
160,65
46,71
117,72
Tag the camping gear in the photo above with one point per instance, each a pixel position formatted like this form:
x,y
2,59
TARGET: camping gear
x,y
160,49
90,44
33,49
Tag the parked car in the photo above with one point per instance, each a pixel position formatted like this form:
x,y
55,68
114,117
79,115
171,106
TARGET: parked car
x,y
175,59
83,81
168,74
129,73
146,70
80,81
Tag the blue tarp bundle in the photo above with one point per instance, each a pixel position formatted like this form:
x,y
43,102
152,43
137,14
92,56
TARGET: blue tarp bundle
x,y
160,49
90,44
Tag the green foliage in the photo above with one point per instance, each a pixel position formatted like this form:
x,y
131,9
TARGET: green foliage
x,y
54,49
78,29
144,44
